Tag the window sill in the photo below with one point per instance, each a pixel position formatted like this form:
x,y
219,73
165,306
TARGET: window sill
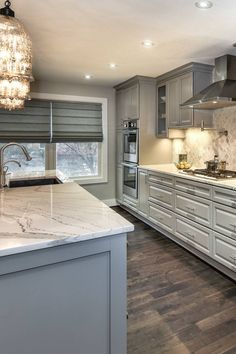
x,y
87,181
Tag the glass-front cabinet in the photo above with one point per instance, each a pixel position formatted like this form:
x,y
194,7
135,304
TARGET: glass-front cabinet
x,y
162,127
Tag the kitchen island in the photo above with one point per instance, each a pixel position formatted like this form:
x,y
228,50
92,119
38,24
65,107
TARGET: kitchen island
x,y
62,272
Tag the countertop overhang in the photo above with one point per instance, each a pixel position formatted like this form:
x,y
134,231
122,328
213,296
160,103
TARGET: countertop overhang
x,y
170,169
33,218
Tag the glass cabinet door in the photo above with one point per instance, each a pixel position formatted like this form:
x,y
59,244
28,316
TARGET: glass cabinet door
x,y
162,131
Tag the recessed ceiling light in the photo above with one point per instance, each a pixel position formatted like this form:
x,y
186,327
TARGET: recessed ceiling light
x,y
113,65
204,4
147,43
88,76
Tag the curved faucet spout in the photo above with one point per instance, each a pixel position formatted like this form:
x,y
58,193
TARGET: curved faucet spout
x,y
3,164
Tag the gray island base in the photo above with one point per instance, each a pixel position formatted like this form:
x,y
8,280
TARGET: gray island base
x,y
69,299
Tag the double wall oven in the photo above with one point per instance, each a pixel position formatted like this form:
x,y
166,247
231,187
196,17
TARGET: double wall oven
x,y
130,158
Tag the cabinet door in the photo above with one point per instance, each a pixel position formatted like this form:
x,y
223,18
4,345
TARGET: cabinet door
x,y
119,183
134,106
120,102
143,192
186,92
173,103
161,112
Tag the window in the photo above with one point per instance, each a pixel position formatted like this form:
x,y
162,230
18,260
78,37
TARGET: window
x,y
76,160
36,151
83,161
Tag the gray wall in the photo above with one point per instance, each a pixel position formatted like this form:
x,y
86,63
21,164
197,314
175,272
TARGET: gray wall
x,y
105,190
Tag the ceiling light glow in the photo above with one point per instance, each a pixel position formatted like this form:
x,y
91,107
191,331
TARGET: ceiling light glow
x,y
88,76
113,65
147,43
204,4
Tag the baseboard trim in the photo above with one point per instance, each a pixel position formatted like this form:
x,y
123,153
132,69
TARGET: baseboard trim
x,y
110,202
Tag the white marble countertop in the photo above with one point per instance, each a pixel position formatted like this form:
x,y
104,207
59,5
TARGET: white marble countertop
x,y
33,218
172,169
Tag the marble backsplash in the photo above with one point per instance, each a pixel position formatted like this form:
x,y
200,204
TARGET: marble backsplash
x,y
202,146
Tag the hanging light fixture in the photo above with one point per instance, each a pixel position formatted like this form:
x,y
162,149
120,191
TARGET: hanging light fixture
x,y
15,61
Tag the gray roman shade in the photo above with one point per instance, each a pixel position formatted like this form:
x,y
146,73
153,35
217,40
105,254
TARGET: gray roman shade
x,y
52,121
31,124
76,121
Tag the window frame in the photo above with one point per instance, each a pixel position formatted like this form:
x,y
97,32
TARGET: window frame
x,y
50,149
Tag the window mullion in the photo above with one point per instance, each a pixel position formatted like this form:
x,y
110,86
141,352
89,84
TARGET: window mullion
x,y
50,157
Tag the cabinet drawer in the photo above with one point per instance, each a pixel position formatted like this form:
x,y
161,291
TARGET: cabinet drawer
x,y
194,208
195,235
130,202
164,179
224,250
194,188
224,220
162,195
225,196
161,217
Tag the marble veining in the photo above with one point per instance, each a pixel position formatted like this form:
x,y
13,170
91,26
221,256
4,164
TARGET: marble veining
x,y
45,216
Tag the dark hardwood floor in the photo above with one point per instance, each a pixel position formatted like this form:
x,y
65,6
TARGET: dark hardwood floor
x,y
177,304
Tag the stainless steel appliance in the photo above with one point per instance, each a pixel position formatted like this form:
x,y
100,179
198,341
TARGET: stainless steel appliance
x,y
216,175
222,93
130,141
130,179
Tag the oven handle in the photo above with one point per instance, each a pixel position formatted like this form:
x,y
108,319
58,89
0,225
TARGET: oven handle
x,y
129,165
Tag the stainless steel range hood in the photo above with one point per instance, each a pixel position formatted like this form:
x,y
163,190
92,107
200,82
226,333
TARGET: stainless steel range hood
x,y
220,94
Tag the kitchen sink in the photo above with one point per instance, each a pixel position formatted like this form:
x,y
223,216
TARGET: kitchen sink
x,y
33,182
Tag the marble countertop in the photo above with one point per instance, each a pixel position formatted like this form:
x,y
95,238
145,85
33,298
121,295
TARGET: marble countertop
x,y
33,218
172,169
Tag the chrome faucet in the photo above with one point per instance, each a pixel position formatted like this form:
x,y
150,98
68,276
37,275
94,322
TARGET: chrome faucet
x,y
3,165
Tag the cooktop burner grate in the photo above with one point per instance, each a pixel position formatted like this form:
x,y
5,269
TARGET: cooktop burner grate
x,y
227,174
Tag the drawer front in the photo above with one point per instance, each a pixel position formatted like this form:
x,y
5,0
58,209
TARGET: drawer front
x,y
224,220
194,208
224,250
164,179
130,202
193,234
225,196
162,195
194,188
161,217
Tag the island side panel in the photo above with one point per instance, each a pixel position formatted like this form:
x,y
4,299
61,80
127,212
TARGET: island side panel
x,y
74,305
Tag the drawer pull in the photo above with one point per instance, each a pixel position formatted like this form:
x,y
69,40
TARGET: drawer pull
x,y
160,218
233,258
233,225
190,208
190,235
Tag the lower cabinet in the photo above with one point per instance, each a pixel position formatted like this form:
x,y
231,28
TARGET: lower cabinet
x,y
205,221
224,250
195,235
119,183
143,192
162,217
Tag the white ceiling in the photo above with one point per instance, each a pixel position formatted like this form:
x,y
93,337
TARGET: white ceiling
x,y
73,37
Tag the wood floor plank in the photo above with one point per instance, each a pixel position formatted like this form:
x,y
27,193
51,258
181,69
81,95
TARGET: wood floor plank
x,y
177,304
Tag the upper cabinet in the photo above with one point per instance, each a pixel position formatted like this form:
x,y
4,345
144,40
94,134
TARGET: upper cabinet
x,y
181,84
131,106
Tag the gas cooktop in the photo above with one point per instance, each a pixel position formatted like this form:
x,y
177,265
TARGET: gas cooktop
x,y
204,173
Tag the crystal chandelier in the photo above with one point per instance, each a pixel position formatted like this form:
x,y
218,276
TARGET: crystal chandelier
x,y
15,61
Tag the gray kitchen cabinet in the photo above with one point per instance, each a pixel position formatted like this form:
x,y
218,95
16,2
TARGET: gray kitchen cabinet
x,y
65,299
162,217
224,220
131,102
182,83
224,250
162,195
120,109
173,111
143,192
162,124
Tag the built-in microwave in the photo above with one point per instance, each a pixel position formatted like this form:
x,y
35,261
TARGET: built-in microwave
x,y
130,179
130,141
